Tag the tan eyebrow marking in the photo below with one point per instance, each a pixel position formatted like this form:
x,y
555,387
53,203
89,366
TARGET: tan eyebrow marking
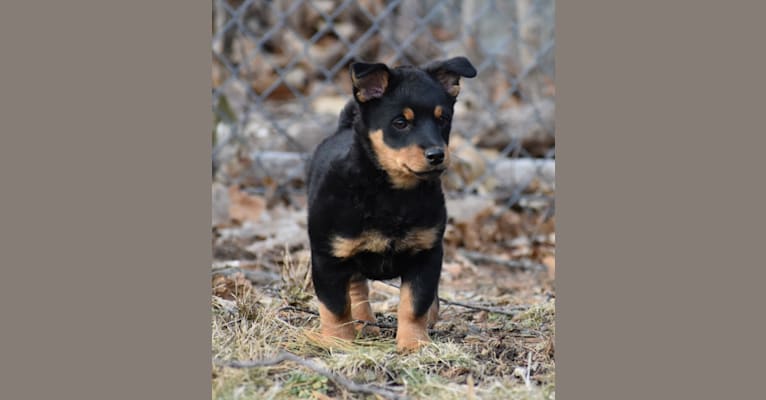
x,y
408,113
438,112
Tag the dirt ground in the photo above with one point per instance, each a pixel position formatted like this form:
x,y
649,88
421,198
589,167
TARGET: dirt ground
x,y
494,339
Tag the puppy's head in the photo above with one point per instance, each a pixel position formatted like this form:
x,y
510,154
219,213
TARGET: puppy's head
x,y
406,116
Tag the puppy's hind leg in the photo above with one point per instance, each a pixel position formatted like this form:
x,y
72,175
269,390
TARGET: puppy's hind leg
x,y
331,283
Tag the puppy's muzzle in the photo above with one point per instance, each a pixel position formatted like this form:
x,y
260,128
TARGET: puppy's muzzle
x,y
434,155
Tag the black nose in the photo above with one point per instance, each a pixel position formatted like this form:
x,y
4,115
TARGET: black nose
x,y
434,155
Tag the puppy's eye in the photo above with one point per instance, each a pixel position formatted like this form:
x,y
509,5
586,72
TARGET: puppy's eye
x,y
400,123
442,121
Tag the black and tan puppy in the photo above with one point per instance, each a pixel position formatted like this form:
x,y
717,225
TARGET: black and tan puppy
x,y
376,207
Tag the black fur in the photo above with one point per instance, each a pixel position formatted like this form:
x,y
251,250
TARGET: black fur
x,y
349,191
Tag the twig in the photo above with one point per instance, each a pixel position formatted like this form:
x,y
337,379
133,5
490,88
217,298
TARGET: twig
x,y
255,276
485,258
293,308
513,311
338,379
356,321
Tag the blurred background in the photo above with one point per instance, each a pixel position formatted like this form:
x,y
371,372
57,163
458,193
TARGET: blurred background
x,y
279,79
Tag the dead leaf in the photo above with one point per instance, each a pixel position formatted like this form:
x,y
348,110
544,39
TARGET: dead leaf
x,y
481,316
550,261
231,287
321,396
243,206
468,163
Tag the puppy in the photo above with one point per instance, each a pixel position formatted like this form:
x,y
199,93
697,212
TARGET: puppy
x,y
376,207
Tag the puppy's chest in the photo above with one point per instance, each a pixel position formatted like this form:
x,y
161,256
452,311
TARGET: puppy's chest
x,y
390,218
397,215
390,228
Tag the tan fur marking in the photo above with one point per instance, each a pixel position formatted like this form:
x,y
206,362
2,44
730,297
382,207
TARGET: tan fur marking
x,y
359,292
438,112
409,115
417,240
396,161
371,240
334,325
411,332
454,90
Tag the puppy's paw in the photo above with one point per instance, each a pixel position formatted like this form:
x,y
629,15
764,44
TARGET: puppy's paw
x,y
344,331
328,342
411,337
411,344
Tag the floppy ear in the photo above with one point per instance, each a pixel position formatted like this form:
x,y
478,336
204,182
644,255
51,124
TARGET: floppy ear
x,y
448,73
370,80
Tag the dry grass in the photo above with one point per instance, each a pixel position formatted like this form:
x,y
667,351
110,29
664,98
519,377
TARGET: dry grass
x,y
474,354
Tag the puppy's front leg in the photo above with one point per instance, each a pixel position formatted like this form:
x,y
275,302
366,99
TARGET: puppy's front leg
x,y
416,299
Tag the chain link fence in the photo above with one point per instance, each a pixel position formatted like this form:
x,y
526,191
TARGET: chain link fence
x,y
280,78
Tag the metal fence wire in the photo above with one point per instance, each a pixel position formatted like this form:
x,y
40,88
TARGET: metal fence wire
x,y
280,78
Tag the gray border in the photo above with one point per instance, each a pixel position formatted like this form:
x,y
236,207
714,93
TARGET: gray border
x,y
106,200
659,224
105,239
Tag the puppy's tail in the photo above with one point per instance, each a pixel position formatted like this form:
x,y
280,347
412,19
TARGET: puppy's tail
x,y
348,115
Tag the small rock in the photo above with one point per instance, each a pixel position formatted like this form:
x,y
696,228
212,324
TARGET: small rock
x,y
220,204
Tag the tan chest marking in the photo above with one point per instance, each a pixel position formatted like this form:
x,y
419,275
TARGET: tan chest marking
x,y
415,240
372,241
